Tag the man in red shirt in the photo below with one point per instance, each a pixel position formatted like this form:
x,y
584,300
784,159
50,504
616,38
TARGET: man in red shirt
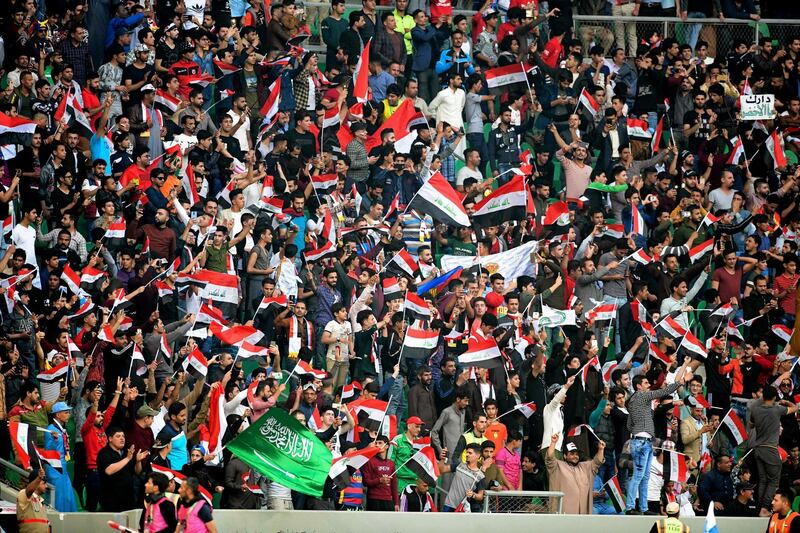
x,y
380,479
728,279
94,440
553,51
785,288
497,296
138,172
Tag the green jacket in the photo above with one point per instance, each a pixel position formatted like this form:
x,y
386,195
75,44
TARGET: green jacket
x,y
401,451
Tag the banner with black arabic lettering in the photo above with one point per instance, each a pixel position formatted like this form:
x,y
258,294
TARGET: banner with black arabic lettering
x,y
285,451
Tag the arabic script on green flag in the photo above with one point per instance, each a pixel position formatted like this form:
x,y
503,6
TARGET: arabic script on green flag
x,y
285,451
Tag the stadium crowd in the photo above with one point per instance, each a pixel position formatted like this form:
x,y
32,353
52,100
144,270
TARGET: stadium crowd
x,y
469,254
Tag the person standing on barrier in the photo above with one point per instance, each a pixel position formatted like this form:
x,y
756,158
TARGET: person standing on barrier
x,y
573,477
670,524
642,428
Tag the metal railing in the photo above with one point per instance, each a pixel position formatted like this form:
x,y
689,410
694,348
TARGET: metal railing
x,y
524,502
609,31
16,478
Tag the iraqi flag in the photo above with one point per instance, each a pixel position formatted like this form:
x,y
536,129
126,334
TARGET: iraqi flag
x,y
775,148
166,103
361,75
701,249
270,107
783,332
121,300
671,328
481,352
615,231
115,234
416,308
693,346
56,373
709,219
655,144
331,117
639,311
403,263
638,128
349,390
90,274
74,352
17,124
247,350
106,334
527,409
52,458
316,254
638,224
734,427
675,467
276,302
72,280
86,307
509,202
304,369
391,289
163,347
608,369
557,213
324,183
208,314
657,354
8,227
588,101
217,421
71,111
737,152
22,440
189,184
594,362
419,343
343,467
218,287
641,257
375,411
438,199
235,335
138,364
615,494
500,76
424,464
602,312
196,364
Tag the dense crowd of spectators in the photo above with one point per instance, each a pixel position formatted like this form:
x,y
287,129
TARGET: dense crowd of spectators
x,y
154,152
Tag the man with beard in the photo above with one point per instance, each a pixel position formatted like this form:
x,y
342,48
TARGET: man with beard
x,y
93,432
572,476
163,240
421,400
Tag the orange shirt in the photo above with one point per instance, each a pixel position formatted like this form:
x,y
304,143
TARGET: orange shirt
x,y
497,433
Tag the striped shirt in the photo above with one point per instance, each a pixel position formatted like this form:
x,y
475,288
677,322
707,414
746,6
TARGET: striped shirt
x,y
640,409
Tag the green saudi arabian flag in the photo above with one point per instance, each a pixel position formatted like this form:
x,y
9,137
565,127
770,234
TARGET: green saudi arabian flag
x,y
285,451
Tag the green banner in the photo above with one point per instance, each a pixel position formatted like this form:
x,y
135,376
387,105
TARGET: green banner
x,y
285,451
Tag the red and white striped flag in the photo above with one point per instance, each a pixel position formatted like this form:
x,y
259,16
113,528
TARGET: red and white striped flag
x,y
602,312
316,254
303,368
655,144
638,225
331,117
657,354
639,311
509,74
353,459
166,102
361,75
164,348
425,465
21,439
106,334
709,219
270,107
701,249
694,346
91,274
16,124
236,334
608,369
218,286
557,213
72,279
737,152
51,458
196,364
594,362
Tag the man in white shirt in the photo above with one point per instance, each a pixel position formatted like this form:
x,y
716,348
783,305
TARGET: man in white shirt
x,y
23,237
241,123
448,105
